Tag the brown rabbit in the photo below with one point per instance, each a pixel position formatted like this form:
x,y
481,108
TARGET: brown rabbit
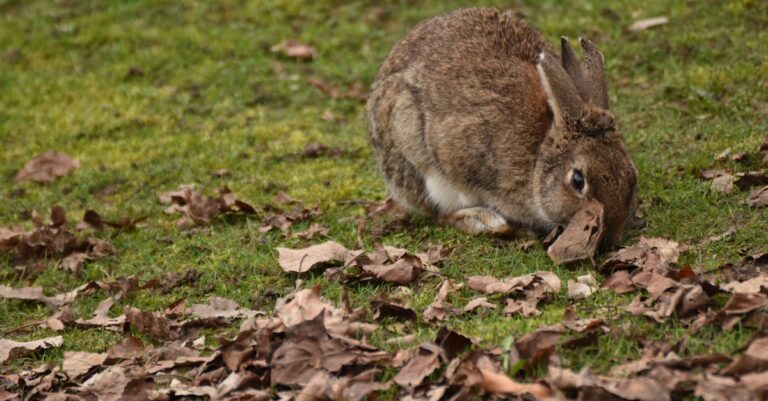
x,y
476,121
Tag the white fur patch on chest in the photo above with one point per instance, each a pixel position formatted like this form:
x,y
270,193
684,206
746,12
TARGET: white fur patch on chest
x,y
445,195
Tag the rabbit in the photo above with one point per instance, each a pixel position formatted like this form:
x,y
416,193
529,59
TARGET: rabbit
x,y
476,122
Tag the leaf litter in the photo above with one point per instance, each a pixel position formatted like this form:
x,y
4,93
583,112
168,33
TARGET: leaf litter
x,y
310,349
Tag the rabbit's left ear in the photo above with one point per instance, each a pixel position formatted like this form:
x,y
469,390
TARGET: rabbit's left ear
x,y
562,95
589,78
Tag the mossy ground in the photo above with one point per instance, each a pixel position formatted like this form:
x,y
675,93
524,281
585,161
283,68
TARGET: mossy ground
x,y
153,94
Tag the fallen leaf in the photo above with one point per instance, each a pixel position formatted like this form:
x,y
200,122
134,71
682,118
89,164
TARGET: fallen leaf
x,y
309,349
759,198
582,287
499,383
536,346
77,364
47,167
753,360
709,174
648,23
439,309
218,307
294,49
724,183
620,282
403,271
581,236
384,307
750,179
197,208
313,230
101,317
13,349
421,365
479,302
302,260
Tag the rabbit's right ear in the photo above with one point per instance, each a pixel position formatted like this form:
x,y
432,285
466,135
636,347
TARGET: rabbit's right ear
x,y
562,95
589,78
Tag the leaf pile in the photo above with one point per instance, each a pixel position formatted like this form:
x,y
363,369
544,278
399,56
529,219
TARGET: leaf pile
x,y
52,240
196,208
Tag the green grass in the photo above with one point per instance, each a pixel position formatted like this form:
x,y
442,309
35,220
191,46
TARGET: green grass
x,y
153,94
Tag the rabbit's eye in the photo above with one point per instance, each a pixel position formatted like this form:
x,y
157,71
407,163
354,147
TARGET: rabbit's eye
x,y
577,180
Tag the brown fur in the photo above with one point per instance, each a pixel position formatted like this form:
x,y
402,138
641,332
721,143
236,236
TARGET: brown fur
x,y
461,96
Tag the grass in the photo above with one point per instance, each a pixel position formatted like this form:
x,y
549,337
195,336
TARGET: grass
x,y
153,94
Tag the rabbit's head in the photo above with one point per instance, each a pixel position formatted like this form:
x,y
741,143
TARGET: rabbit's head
x,y
583,155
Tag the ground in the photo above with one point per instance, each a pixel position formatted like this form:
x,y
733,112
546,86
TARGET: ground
x,y
149,95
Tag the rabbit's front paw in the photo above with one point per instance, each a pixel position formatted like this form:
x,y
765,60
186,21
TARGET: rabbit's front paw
x,y
479,220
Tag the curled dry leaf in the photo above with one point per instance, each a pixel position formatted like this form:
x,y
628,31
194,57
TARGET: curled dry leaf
x,y
421,365
724,183
218,307
538,345
294,49
12,349
302,260
47,167
759,198
589,387
498,383
77,364
648,23
439,309
582,287
101,317
37,294
313,230
580,238
479,302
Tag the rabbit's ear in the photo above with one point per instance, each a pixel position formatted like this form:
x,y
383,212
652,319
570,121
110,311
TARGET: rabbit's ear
x,y
589,78
595,74
562,95
575,70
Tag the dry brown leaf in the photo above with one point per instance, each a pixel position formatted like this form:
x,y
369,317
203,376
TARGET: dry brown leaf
x,y
129,348
77,364
294,49
302,260
538,345
36,294
620,282
421,365
753,360
581,236
403,271
759,198
47,167
582,287
218,307
13,349
384,307
498,383
309,349
724,183
648,23
313,230
439,309
479,302
712,173
101,317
